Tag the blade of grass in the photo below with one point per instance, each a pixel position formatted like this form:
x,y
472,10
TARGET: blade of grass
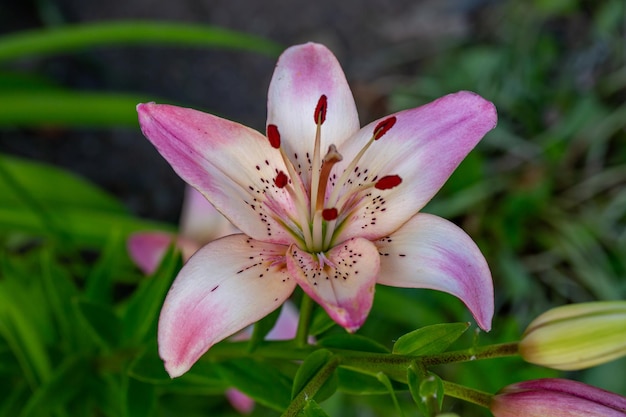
x,y
69,108
83,36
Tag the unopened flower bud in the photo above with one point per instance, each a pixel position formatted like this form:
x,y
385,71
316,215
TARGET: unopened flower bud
x,y
576,336
556,398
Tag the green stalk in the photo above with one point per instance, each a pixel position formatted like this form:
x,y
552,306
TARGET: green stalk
x,y
304,322
311,388
471,395
472,354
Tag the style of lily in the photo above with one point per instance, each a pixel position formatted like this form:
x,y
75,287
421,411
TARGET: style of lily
x,y
320,202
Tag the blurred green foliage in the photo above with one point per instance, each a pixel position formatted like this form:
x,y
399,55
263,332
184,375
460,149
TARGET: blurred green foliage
x,y
543,196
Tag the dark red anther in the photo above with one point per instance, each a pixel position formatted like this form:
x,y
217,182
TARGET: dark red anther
x,y
281,179
382,127
388,182
330,214
273,135
320,110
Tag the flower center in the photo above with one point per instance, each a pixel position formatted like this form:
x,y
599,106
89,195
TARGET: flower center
x,y
321,210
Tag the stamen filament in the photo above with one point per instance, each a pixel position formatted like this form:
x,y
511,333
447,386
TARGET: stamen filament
x,y
330,231
315,168
318,237
332,201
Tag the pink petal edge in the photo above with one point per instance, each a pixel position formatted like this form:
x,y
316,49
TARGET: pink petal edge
x,y
227,285
423,147
431,252
303,74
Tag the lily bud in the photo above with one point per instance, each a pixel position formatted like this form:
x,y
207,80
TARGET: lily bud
x,y
576,336
556,398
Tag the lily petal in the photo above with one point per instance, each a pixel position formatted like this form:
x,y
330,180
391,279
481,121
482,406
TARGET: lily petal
x,y
303,74
240,401
147,249
227,285
342,281
233,166
431,252
200,222
423,147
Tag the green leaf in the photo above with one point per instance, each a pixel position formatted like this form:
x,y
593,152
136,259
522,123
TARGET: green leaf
x,y
139,398
85,36
21,328
358,383
384,379
259,380
21,179
262,328
312,409
148,367
350,341
321,322
100,279
430,339
142,312
64,384
309,369
104,324
203,378
59,291
69,108
72,209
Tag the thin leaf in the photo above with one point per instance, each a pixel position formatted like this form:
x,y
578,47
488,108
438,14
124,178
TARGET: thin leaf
x,y
102,321
384,379
69,108
64,384
142,312
85,36
139,398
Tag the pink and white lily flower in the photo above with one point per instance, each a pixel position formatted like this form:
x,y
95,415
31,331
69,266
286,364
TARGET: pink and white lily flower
x,y
321,203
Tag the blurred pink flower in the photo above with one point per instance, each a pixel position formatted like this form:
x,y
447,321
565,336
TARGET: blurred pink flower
x,y
556,398
200,223
317,207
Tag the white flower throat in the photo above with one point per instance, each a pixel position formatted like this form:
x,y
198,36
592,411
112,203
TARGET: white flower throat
x,y
320,215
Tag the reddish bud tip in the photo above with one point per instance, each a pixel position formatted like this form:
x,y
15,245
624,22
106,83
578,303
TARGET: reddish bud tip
x,y
320,110
273,135
382,127
330,214
281,180
388,182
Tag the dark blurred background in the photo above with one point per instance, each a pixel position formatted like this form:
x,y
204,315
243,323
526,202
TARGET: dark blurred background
x,y
380,44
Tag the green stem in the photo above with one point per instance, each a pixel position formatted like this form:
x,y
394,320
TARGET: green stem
x,y
306,310
471,395
472,354
311,388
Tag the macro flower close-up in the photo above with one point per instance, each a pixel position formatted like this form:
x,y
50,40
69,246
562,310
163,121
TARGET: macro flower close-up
x,y
320,203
